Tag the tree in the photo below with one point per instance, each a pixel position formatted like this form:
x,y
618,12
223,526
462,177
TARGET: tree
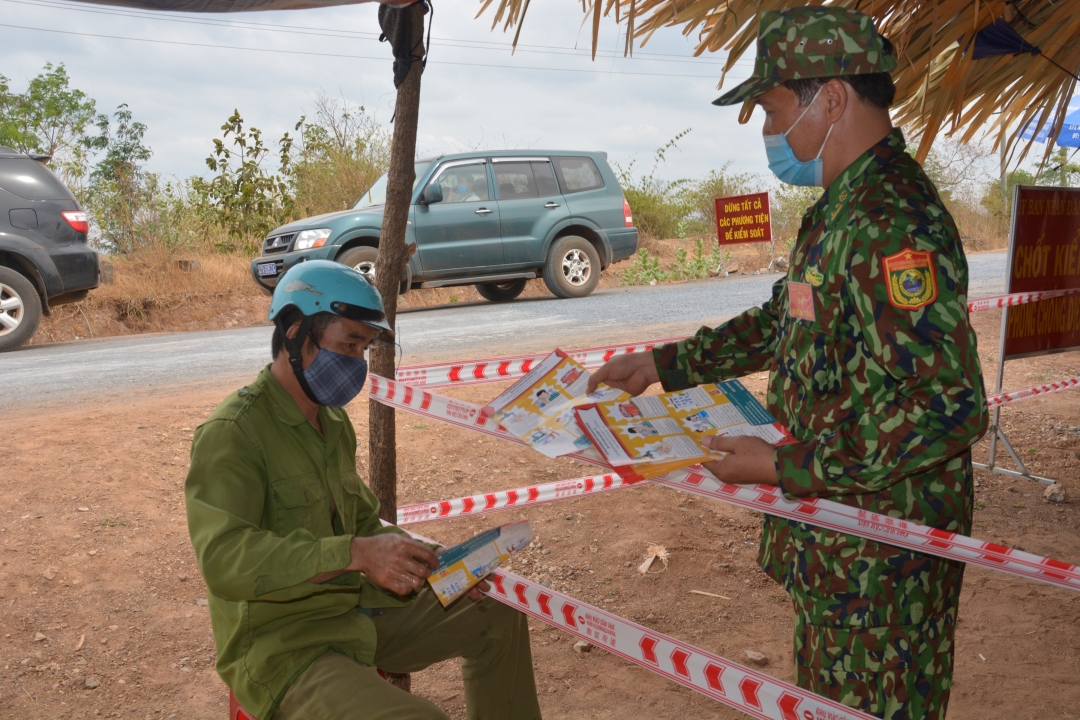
x,y
659,206
245,198
50,117
394,254
955,166
121,196
124,149
1061,170
405,28
336,157
999,206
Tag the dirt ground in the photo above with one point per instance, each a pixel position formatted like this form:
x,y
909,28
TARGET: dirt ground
x,y
102,609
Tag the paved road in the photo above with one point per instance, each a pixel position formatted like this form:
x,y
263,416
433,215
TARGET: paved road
x,y
51,374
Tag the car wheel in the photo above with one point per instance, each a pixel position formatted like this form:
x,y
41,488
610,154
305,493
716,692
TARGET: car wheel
x,y
501,291
573,267
20,309
362,259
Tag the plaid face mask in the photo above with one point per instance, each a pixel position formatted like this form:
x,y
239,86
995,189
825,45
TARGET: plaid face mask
x,y
335,379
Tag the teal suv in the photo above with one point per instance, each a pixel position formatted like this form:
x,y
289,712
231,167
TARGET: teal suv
x,y
490,219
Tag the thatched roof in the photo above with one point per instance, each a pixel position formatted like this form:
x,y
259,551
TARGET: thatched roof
x,y
940,88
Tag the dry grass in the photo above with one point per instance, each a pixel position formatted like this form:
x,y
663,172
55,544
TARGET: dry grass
x,y
151,293
978,229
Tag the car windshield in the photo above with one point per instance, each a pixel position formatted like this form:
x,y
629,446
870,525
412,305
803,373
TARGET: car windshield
x,y
376,194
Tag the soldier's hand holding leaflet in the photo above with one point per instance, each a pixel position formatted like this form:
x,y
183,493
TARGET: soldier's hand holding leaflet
x,y
633,373
749,461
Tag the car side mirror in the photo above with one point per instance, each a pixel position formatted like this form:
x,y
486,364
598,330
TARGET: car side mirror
x,y
432,194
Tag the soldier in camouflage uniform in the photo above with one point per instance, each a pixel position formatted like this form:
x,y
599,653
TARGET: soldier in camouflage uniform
x,y
872,366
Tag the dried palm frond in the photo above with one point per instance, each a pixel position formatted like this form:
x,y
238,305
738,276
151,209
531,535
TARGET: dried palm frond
x,y
939,86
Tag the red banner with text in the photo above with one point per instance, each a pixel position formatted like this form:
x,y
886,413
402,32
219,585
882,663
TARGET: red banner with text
x,y
1044,255
743,219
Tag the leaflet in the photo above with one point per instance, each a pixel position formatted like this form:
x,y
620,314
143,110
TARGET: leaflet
x,y
463,566
656,432
539,408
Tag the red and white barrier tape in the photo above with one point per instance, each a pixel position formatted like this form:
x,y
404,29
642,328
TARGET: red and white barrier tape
x,y
474,372
1001,301
486,503
737,686
892,531
820,512
452,411
1010,397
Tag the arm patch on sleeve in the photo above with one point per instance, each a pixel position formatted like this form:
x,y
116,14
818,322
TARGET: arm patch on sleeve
x,y
911,279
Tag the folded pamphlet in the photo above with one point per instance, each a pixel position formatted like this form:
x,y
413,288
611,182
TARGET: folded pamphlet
x,y
462,566
539,408
654,433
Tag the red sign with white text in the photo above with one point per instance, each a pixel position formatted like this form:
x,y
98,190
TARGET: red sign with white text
x,y
743,219
1044,254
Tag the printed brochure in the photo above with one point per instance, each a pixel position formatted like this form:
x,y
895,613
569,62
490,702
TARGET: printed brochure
x,y
655,433
539,408
463,566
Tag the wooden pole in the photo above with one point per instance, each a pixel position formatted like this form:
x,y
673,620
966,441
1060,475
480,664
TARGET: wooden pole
x,y
389,268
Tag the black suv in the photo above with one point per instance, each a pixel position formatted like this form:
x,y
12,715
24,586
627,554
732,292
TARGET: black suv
x,y
44,258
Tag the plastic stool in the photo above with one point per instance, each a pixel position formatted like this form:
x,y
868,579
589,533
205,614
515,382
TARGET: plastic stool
x,y
236,712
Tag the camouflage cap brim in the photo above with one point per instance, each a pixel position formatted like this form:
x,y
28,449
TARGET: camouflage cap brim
x,y
747,90
812,42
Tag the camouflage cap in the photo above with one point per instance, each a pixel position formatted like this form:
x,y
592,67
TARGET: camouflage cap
x,y
812,42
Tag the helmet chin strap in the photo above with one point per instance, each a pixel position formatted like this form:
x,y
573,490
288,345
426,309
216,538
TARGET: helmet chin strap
x,y
295,346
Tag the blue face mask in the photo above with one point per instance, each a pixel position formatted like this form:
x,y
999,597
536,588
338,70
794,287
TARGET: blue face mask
x,y
462,189
335,379
785,165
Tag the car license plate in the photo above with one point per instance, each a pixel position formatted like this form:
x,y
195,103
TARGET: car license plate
x,y
267,269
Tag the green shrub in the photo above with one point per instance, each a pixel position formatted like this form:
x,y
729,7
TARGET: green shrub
x,y
787,206
658,206
700,196
338,157
699,266
646,268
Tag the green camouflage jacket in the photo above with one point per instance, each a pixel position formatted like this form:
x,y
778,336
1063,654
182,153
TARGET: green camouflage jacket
x,y
873,367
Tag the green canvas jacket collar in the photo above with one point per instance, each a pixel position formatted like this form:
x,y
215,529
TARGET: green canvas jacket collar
x,y
287,411
838,196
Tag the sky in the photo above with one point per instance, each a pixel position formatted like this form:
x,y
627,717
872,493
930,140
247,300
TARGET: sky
x,y
475,93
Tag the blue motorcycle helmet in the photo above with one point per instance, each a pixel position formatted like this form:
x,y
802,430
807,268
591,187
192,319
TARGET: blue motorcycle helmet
x,y
319,286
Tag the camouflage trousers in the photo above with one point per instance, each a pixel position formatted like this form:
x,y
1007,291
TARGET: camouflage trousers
x,y
895,672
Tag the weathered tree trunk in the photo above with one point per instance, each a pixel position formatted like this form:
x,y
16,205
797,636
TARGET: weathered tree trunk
x,y
389,267
393,255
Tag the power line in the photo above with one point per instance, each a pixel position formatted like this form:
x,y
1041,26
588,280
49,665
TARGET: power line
x,y
367,36
351,57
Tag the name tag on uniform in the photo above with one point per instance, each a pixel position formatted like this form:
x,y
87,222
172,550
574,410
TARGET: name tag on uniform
x,y
801,301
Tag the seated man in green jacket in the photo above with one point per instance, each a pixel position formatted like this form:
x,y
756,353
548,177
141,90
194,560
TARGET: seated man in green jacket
x,y
308,592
